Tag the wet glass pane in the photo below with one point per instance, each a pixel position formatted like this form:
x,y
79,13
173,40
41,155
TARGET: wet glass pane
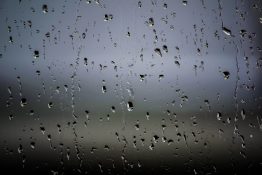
x,y
131,86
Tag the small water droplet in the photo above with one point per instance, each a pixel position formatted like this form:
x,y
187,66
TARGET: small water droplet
x,y
243,114
165,5
32,144
108,17
103,89
113,109
44,8
151,22
50,104
36,54
161,76
147,115
226,31
130,106
226,75
42,129
139,4
158,52
219,116
165,49
23,102
20,149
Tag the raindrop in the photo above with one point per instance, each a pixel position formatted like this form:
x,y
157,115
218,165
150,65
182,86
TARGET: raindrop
x,y
108,17
130,106
44,8
147,115
42,129
142,77
113,109
20,149
137,126
161,76
36,54
23,102
184,3
139,4
177,63
11,39
165,5
158,52
151,22
226,31
49,137
32,144
11,117
165,48
103,89
219,116
155,138
31,112
243,114
50,104
226,75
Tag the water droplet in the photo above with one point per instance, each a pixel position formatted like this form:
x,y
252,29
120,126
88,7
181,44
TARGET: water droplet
x,y
243,114
158,52
219,116
139,4
161,76
42,129
108,17
226,31
142,77
147,115
137,126
36,54
103,89
50,104
165,5
226,75
23,102
11,116
184,3
44,8
113,109
155,138
130,106
151,22
165,49
20,149
32,112
32,144
49,137
11,39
